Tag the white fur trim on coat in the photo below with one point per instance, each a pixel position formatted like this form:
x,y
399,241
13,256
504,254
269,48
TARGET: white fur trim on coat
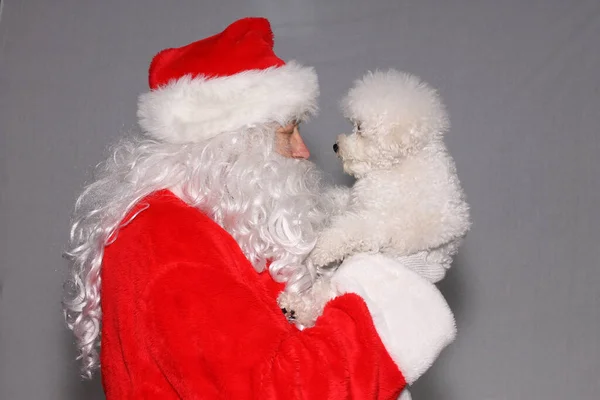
x,y
410,314
195,109
405,395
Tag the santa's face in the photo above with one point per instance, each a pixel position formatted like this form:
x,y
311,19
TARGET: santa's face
x,y
289,143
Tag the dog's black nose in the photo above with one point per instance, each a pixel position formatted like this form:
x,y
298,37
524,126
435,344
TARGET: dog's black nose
x,y
335,147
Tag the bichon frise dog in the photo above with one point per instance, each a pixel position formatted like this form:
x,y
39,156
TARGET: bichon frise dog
x,y
407,202
407,198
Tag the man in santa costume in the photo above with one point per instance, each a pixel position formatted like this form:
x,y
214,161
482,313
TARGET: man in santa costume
x,y
181,246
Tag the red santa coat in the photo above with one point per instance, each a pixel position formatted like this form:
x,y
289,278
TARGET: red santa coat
x,y
186,316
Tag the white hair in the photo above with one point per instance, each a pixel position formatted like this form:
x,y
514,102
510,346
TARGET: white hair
x,y
268,203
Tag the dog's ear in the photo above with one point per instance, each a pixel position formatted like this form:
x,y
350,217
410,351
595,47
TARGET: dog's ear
x,y
408,138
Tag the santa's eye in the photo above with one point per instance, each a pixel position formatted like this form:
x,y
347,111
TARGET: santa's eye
x,y
290,128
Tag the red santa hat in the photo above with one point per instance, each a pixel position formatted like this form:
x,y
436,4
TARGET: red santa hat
x,y
224,83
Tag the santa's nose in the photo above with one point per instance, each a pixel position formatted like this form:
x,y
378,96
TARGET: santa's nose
x,y
335,147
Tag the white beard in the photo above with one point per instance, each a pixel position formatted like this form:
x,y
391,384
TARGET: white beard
x,y
268,203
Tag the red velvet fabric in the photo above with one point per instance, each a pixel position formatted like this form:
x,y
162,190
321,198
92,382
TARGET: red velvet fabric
x,y
186,316
246,44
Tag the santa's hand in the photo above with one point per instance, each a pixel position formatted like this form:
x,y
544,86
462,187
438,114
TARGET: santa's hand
x,y
411,316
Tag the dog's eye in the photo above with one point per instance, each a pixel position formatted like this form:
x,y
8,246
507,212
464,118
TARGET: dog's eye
x,y
358,128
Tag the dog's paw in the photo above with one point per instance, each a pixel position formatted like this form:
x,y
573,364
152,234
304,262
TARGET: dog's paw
x,y
304,309
321,257
317,257
298,309
330,249
290,314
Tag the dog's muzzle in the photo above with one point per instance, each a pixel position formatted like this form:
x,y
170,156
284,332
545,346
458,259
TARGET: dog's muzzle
x,y
336,147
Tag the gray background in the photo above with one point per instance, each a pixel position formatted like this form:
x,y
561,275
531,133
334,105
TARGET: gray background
x,y
521,82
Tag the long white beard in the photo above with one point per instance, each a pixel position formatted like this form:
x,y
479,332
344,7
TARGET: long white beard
x,y
268,203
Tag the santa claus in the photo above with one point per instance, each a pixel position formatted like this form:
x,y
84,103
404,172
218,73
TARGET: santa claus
x,y
192,228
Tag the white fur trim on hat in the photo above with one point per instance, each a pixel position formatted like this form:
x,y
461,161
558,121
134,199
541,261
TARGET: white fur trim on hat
x,y
411,316
383,100
195,109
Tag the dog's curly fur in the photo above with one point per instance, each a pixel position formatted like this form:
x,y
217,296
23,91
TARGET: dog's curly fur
x,y
407,197
407,200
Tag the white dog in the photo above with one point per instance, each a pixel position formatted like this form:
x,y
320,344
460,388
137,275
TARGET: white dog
x,y
407,198
407,202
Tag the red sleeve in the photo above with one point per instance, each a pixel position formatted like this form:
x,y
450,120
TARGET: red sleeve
x,y
214,336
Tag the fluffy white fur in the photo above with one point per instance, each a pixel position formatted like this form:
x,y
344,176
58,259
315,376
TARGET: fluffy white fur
x,y
192,110
405,395
269,204
410,314
407,199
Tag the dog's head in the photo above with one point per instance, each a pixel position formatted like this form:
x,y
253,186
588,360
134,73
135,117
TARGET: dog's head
x,y
395,114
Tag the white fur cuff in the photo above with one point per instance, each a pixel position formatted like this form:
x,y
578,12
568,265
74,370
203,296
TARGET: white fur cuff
x,y
410,314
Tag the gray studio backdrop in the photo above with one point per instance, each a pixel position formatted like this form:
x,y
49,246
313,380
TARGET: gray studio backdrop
x,y
521,82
